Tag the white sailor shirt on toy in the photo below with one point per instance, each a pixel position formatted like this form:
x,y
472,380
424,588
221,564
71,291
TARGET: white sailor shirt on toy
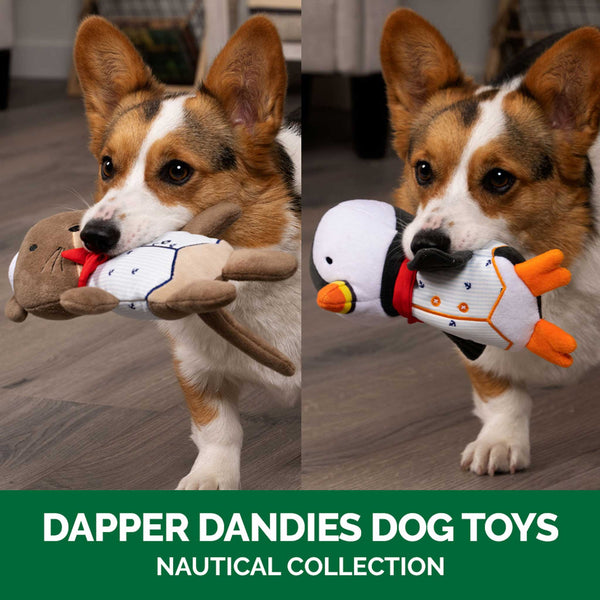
x,y
486,297
134,275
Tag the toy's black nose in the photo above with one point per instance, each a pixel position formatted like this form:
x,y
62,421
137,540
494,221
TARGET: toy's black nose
x,y
430,238
100,236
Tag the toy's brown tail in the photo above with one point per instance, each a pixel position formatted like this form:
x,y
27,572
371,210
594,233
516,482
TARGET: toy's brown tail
x,y
543,273
223,323
552,343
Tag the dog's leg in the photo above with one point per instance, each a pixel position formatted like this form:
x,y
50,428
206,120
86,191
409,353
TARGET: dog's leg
x,y
216,431
503,442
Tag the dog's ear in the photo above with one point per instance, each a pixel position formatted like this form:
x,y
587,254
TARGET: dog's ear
x,y
249,78
109,68
417,62
565,82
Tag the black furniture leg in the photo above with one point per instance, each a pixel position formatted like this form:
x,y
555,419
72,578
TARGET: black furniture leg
x,y
307,86
4,77
369,115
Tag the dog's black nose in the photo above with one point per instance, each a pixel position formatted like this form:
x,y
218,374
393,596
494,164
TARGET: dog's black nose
x,y
100,236
430,238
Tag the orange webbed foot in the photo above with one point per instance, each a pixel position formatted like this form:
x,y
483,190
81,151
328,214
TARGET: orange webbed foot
x,y
552,343
543,273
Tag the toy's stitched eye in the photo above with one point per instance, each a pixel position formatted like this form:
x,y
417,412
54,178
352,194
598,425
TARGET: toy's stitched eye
x,y
107,168
74,228
176,172
423,172
498,181
328,260
32,247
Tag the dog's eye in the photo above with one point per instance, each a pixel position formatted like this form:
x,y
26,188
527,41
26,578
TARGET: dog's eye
x,y
328,260
107,168
32,247
498,181
423,172
74,228
176,172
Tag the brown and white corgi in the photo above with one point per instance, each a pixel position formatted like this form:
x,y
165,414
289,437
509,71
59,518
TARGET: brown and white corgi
x,y
164,158
513,161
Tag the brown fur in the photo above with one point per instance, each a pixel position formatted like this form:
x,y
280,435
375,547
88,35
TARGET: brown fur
x,y
240,107
103,54
552,121
203,405
486,385
409,40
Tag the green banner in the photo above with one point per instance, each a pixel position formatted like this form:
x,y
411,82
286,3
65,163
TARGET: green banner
x,y
352,544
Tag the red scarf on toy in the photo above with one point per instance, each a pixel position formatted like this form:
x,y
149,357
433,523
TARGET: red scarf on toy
x,y
89,260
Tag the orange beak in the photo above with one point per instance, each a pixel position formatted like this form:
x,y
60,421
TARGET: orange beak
x,y
337,297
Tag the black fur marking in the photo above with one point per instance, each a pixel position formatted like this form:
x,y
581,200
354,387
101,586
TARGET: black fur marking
x,y
525,91
206,91
295,118
487,95
285,166
411,144
531,152
453,83
544,169
589,173
144,87
172,95
151,108
468,110
226,159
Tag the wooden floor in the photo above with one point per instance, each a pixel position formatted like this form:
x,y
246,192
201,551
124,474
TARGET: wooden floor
x,y
93,403
390,408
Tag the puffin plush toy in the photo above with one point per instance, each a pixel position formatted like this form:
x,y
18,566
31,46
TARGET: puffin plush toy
x,y
490,296
179,274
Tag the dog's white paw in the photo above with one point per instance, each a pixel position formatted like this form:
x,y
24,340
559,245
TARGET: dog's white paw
x,y
491,455
215,468
199,479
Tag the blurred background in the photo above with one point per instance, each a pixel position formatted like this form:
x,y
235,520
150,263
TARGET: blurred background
x,y
390,407
94,403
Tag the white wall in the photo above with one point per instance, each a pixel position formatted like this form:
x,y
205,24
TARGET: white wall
x,y
44,32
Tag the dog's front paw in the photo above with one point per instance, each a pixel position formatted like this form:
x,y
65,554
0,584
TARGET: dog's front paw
x,y
214,470
491,454
197,479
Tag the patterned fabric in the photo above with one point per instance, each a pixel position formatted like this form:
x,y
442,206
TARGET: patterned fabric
x,y
466,302
131,276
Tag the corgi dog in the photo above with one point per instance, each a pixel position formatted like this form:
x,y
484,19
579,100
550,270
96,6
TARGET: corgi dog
x,y
515,161
164,158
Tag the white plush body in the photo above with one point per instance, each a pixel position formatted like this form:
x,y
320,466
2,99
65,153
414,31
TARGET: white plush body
x,y
133,275
352,242
356,235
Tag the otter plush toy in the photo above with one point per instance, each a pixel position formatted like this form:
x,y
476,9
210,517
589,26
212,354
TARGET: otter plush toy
x,y
178,274
490,296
